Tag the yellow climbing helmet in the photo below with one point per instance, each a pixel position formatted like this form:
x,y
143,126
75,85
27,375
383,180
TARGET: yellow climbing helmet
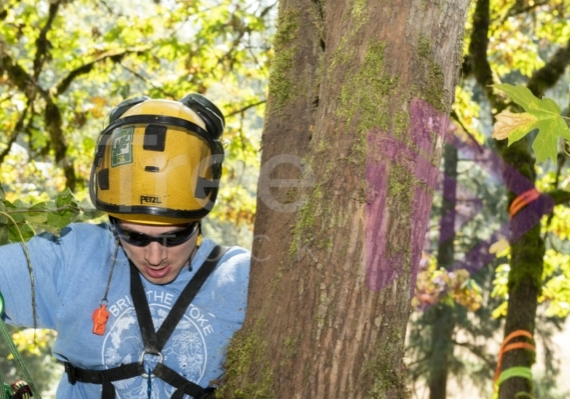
x,y
159,161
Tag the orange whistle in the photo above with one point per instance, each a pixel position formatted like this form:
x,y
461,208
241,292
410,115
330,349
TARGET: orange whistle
x,y
100,317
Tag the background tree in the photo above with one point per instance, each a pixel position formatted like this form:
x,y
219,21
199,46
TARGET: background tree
x,y
536,55
441,315
527,244
358,103
452,332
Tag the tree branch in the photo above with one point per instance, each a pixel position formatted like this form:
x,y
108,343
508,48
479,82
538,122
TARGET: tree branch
x,y
480,66
559,196
18,76
550,74
522,7
64,84
246,107
42,43
478,352
14,134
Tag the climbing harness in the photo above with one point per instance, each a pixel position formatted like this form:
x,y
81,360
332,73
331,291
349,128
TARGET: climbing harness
x,y
19,389
153,340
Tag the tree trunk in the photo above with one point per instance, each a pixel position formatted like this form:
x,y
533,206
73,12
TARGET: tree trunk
x,y
525,276
357,109
443,323
527,245
441,316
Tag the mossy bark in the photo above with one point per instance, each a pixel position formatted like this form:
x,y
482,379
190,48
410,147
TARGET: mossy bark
x,y
357,110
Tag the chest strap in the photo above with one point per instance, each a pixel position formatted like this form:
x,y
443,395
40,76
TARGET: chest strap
x,y
153,340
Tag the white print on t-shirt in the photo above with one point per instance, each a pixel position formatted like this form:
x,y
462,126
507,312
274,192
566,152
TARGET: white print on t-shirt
x,y
185,351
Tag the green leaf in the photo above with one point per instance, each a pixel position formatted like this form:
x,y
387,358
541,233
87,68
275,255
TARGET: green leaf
x,y
57,221
3,218
18,231
3,235
542,115
528,101
37,214
546,142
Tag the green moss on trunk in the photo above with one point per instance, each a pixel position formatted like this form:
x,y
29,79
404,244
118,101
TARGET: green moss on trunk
x,y
244,351
281,84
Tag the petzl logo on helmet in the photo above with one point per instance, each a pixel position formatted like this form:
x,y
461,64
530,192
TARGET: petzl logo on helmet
x,y
150,199
122,146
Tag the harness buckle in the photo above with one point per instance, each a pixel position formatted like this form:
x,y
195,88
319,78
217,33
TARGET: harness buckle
x,y
142,361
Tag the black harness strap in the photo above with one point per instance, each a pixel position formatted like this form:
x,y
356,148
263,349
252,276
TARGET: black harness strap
x,y
103,377
153,341
184,386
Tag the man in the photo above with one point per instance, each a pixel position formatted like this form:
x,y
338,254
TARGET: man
x,y
143,306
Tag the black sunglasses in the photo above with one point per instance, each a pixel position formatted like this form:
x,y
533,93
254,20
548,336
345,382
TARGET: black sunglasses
x,y
170,239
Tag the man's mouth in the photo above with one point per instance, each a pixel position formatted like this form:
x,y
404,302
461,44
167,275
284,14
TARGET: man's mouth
x,y
158,273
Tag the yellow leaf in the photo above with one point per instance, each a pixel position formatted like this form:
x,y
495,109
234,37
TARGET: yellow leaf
x,y
508,121
98,109
499,247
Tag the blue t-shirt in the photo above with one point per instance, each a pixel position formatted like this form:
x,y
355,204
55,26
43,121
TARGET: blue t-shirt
x,y
71,273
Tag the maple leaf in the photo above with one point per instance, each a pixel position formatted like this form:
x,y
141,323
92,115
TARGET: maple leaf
x,y
540,114
510,125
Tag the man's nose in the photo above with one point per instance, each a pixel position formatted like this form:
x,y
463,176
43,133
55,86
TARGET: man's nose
x,y
155,253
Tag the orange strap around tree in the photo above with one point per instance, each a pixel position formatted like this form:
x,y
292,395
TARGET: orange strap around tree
x,y
523,200
505,347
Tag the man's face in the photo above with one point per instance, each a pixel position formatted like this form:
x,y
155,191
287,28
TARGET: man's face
x,y
159,261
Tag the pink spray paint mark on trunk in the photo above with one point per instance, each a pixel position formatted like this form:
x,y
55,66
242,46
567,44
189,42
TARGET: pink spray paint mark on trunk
x,y
427,130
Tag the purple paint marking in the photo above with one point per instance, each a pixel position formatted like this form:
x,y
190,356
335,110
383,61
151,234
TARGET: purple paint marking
x,y
381,268
514,181
428,127
376,229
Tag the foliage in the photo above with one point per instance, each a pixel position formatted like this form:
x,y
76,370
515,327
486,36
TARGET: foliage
x,y
545,116
556,288
437,285
65,64
34,347
20,221
555,295
542,115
